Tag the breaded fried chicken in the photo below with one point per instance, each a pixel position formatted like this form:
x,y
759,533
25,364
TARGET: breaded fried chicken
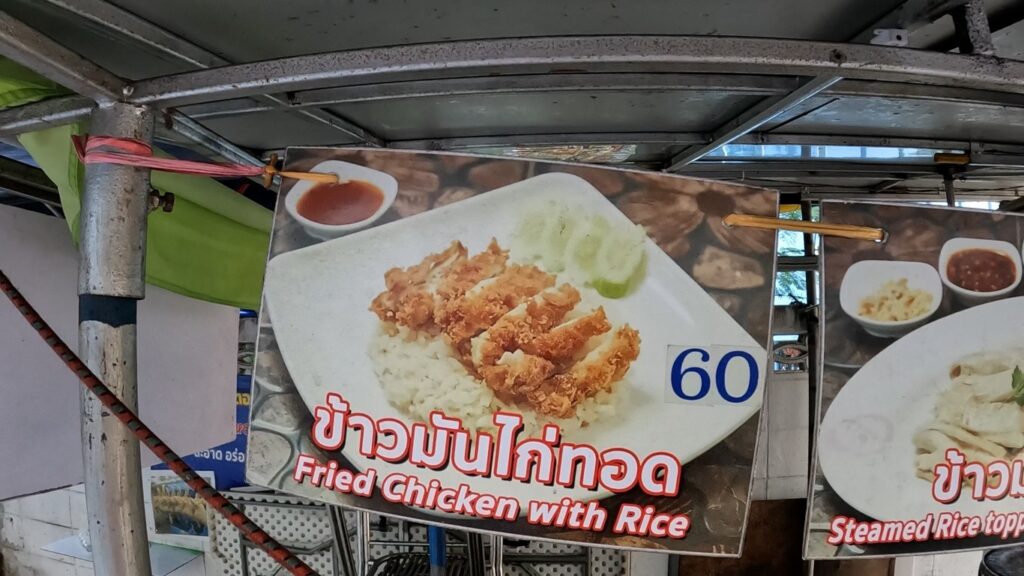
x,y
596,372
468,273
410,296
506,324
515,373
523,324
565,341
484,304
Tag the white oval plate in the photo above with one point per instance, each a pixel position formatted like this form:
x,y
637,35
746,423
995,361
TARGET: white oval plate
x,y
864,442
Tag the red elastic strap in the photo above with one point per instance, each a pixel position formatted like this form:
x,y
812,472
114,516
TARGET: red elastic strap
x,y
129,152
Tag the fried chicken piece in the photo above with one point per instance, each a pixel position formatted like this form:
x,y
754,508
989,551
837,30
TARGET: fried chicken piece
x,y
416,310
597,371
523,324
468,273
488,301
409,298
506,325
516,373
565,341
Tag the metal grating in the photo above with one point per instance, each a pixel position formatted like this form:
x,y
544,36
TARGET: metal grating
x,y
295,522
302,524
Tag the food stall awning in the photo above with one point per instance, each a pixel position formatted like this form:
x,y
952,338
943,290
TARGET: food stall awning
x,y
665,79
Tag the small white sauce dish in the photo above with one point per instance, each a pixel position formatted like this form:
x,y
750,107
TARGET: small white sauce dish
x,y
386,183
972,297
865,278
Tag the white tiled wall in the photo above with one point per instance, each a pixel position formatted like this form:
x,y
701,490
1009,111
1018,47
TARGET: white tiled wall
x,y
32,522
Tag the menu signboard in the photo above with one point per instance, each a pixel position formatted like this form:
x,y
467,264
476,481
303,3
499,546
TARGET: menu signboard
x,y
921,417
534,349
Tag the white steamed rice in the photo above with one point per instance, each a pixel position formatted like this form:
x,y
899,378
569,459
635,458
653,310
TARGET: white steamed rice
x,y
420,375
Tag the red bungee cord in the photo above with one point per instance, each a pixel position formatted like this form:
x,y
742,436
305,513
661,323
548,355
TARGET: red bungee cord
x,y
111,402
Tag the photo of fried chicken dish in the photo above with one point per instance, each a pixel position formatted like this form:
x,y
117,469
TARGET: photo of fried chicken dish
x,y
535,343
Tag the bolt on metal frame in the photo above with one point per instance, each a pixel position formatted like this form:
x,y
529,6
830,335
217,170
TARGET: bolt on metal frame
x,y
112,268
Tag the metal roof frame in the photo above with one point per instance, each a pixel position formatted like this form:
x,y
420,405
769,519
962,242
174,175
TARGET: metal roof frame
x,y
782,74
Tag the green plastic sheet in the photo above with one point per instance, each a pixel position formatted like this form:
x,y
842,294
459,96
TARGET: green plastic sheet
x,y
19,85
212,246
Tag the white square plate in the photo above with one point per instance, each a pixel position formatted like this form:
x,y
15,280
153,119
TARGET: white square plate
x,y
318,299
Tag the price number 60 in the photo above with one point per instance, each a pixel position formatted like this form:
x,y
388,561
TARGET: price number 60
x,y
680,375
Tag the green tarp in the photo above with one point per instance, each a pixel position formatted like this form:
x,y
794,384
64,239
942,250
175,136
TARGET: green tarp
x,y
19,85
212,246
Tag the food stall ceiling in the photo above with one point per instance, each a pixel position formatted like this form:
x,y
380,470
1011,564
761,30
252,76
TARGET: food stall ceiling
x,y
275,129
118,54
1009,41
902,117
940,34
252,30
543,112
663,113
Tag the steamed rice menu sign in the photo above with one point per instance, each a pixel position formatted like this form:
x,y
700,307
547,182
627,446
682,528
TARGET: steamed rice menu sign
x,y
922,391
535,349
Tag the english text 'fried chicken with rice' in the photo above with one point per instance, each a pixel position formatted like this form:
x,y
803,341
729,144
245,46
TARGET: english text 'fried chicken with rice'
x,y
510,326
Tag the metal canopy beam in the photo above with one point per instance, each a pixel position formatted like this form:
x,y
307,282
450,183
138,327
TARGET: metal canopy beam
x,y
1015,205
677,139
908,15
28,182
732,84
45,114
69,109
780,167
58,111
90,80
901,196
33,50
585,139
739,85
764,112
208,139
594,54
131,26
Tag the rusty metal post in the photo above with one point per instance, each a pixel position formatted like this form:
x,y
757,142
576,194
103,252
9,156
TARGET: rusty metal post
x,y
111,281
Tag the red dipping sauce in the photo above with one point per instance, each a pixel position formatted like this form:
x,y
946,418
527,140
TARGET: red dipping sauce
x,y
981,270
341,203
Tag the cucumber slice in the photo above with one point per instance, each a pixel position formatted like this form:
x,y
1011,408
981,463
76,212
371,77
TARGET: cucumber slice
x,y
561,225
581,250
611,289
529,237
618,260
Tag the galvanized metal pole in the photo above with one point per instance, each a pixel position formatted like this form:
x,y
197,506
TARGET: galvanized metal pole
x,y
947,182
498,557
972,29
342,546
111,280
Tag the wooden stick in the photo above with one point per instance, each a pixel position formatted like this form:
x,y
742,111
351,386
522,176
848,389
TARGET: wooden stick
x,y
322,177
840,230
